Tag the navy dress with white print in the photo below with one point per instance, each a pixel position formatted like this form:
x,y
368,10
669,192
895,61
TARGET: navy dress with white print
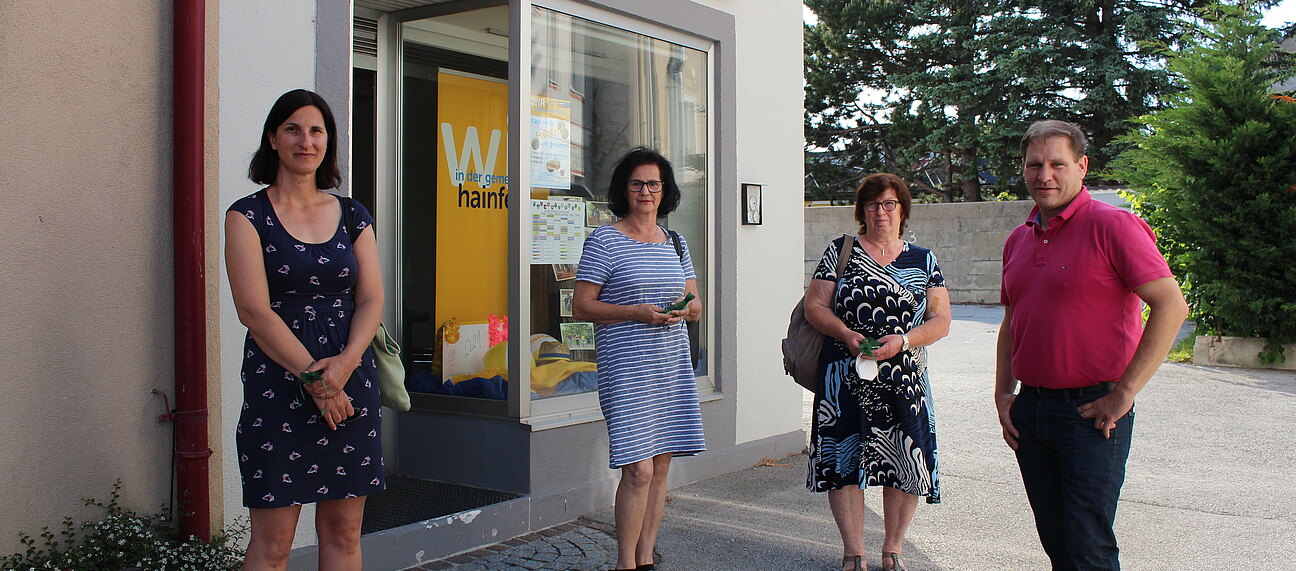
x,y
287,454
880,431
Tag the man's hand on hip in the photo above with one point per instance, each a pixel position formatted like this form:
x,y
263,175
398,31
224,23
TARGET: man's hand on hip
x,y
1004,404
1106,411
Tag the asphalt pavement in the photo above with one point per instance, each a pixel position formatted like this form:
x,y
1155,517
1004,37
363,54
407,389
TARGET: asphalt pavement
x,y
1207,487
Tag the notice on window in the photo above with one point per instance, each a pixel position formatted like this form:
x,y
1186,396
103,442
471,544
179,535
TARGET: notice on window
x,y
550,142
557,231
464,354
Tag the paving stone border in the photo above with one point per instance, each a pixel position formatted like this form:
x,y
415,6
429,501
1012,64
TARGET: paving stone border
x,y
579,545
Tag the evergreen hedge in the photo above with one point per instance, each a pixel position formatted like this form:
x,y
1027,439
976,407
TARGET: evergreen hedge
x,y
1214,173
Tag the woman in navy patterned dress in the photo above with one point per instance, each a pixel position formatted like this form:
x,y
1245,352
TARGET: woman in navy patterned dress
x,y
629,271
311,299
880,430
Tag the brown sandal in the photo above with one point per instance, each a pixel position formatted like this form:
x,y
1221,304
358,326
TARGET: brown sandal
x,y
896,565
857,562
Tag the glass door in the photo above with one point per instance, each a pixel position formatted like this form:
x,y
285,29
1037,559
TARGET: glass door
x,y
454,200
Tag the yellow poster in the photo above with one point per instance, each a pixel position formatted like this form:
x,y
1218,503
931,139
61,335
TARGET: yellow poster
x,y
472,199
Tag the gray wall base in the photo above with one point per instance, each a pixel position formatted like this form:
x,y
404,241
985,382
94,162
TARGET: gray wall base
x,y
433,539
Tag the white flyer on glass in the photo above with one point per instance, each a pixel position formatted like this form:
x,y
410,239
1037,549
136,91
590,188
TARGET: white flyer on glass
x,y
557,231
550,143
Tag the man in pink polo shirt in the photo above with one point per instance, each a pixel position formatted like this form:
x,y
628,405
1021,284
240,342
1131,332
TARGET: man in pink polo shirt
x,y
1073,277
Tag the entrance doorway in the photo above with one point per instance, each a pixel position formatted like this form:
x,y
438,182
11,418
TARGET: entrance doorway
x,y
415,70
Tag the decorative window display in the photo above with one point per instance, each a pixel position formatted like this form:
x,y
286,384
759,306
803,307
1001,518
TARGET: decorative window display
x,y
597,91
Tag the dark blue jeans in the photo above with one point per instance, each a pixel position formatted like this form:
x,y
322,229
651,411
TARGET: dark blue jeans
x,y
1073,478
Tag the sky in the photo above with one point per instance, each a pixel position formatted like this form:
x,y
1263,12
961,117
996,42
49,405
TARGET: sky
x,y
1280,14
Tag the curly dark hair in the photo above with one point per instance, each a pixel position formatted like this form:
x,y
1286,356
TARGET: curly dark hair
x,y
617,201
265,163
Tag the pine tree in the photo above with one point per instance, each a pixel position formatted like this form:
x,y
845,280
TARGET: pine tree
x,y
947,87
1214,179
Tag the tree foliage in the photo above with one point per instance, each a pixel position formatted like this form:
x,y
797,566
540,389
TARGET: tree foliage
x,y
1214,179
941,90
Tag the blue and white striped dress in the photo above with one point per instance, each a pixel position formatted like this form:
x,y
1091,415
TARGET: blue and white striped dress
x,y
646,385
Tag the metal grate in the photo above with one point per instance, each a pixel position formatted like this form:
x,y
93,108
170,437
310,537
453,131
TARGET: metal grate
x,y
409,500
365,37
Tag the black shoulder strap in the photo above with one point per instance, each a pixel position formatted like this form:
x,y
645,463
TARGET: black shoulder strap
x,y
348,217
679,250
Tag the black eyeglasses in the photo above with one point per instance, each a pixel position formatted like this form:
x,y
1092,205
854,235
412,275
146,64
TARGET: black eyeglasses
x,y
653,186
887,205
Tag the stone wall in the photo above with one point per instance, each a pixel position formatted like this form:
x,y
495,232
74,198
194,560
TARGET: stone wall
x,y
966,237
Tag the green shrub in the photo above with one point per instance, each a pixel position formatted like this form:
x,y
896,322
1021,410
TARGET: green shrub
x,y
1213,175
124,540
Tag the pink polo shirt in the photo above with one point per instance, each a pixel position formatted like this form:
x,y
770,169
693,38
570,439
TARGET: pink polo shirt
x,y
1076,320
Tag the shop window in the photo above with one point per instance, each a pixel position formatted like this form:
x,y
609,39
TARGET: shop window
x,y
596,92
455,194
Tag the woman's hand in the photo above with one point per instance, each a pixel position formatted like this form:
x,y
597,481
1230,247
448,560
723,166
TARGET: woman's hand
x,y
852,339
336,371
652,314
694,311
891,345
334,409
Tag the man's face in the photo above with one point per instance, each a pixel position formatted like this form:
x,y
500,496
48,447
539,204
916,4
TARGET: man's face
x,y
1053,175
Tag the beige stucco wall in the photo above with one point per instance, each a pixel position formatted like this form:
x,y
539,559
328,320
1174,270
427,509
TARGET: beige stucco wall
x,y
249,81
85,271
769,152
966,237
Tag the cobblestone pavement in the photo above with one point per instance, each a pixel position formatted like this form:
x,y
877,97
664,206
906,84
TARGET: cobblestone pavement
x,y
581,545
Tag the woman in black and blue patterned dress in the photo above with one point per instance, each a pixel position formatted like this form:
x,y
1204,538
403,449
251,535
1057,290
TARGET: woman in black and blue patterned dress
x,y
311,298
879,430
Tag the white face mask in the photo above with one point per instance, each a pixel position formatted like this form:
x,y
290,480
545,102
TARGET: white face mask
x,y
866,368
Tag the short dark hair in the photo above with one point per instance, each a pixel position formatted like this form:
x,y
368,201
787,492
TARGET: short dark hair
x,y
872,187
617,187
1041,130
265,163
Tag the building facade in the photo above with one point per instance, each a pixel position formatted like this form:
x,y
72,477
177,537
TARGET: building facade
x,y
445,109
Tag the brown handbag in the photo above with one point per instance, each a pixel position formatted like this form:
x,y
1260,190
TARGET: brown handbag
x,y
804,343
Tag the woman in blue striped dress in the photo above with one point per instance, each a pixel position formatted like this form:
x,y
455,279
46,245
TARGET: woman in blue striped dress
x,y
629,271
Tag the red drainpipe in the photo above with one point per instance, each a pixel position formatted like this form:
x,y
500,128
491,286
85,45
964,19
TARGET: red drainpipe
x,y
190,416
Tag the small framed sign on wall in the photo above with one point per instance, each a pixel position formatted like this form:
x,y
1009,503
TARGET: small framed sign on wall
x,y
751,204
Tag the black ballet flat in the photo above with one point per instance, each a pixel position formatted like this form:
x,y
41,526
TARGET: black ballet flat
x,y
646,567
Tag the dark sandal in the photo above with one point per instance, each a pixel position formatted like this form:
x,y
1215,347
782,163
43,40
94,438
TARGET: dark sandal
x,y
646,567
856,560
896,565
